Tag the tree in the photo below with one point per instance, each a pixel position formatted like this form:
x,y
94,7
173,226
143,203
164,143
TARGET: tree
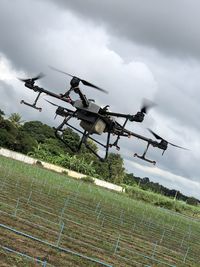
x,y
15,118
192,201
23,142
53,146
8,132
115,168
8,126
71,138
39,131
7,139
129,179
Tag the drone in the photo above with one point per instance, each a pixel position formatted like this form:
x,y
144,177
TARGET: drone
x,y
94,120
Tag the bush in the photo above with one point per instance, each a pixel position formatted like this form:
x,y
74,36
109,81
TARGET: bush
x,y
192,201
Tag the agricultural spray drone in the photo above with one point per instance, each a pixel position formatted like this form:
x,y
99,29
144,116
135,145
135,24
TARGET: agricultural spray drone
x,y
94,120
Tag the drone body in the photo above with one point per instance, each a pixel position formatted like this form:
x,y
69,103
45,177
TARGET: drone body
x,y
94,120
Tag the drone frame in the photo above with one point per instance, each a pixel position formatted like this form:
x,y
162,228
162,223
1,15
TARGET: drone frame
x,y
113,127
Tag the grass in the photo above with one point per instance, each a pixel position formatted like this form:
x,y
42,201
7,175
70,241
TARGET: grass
x,y
101,224
163,201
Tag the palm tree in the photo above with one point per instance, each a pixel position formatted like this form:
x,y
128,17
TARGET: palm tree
x,y
15,118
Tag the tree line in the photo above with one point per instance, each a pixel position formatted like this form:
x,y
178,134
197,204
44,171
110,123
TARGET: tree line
x,y
38,140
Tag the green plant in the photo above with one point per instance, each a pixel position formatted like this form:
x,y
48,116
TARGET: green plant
x,y
192,201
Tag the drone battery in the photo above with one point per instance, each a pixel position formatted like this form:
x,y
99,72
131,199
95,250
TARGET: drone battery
x,y
98,127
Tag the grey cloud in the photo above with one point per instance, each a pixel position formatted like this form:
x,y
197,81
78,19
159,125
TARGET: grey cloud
x,y
7,94
168,26
23,27
10,103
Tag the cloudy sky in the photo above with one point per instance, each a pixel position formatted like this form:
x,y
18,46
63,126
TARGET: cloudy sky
x,y
135,49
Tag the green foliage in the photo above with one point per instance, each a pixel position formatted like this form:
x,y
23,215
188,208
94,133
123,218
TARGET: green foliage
x,y
44,152
15,118
111,170
157,199
71,138
192,201
6,139
8,134
53,146
24,143
116,168
39,131
129,179
9,127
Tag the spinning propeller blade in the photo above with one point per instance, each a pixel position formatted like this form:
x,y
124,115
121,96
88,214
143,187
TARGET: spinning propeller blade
x,y
178,146
39,76
155,135
160,138
55,69
58,107
147,104
83,81
51,103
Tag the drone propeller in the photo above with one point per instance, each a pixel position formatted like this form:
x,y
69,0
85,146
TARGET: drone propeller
x,y
61,111
160,138
39,76
178,146
83,81
69,110
147,104
139,116
155,135
53,104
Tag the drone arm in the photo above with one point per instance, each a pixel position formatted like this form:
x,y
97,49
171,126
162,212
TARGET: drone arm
x,y
148,140
82,96
40,90
119,115
36,88
31,86
144,154
119,134
138,117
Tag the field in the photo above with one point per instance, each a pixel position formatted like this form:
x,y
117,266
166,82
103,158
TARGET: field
x,y
47,219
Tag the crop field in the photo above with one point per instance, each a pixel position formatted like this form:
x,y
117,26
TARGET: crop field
x,y
50,219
